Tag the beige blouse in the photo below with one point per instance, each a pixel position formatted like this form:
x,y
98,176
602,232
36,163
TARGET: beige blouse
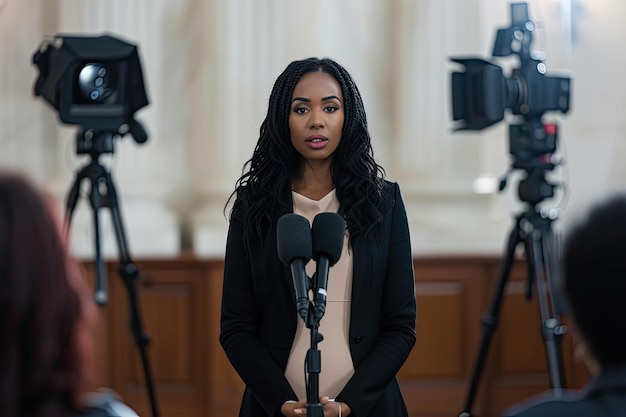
x,y
336,361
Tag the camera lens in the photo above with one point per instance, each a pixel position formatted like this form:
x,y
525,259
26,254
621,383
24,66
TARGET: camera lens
x,y
95,82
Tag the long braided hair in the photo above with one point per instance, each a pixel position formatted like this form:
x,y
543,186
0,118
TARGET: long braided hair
x,y
260,191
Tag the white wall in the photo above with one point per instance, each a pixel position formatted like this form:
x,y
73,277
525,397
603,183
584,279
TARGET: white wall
x,y
209,67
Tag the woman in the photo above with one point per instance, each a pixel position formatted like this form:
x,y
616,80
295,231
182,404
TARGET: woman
x,y
46,311
314,155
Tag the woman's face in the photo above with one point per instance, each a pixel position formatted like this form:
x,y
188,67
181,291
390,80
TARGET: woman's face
x,y
316,116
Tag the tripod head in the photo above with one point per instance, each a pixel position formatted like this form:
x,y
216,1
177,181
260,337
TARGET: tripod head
x,y
96,141
532,145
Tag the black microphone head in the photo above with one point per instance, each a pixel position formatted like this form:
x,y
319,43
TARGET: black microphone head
x,y
293,236
328,231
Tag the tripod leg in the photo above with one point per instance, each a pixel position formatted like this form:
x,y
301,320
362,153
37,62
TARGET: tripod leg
x,y
552,253
101,295
72,200
542,263
120,234
130,273
490,318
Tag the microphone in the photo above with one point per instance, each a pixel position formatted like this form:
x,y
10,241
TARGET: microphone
x,y
328,231
293,236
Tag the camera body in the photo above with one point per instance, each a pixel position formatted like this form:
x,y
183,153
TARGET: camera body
x,y
481,93
92,81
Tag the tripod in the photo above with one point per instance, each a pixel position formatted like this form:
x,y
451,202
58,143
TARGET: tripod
x,y
534,230
103,194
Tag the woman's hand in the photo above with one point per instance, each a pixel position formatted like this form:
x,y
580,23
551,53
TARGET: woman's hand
x,y
288,409
330,407
334,408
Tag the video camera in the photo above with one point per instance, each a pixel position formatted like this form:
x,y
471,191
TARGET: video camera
x,y
481,94
94,82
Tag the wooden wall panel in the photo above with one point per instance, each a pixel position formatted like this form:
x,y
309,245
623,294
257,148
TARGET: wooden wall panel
x,y
519,333
437,353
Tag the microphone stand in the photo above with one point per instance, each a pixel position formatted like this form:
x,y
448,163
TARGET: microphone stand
x,y
313,356
311,309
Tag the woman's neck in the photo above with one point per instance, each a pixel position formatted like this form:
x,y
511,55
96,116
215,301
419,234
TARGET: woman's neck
x,y
313,182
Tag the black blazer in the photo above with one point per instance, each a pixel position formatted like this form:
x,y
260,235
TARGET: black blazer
x,y
258,318
604,396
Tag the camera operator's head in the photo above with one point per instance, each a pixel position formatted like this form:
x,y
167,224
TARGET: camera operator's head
x,y
46,310
595,279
